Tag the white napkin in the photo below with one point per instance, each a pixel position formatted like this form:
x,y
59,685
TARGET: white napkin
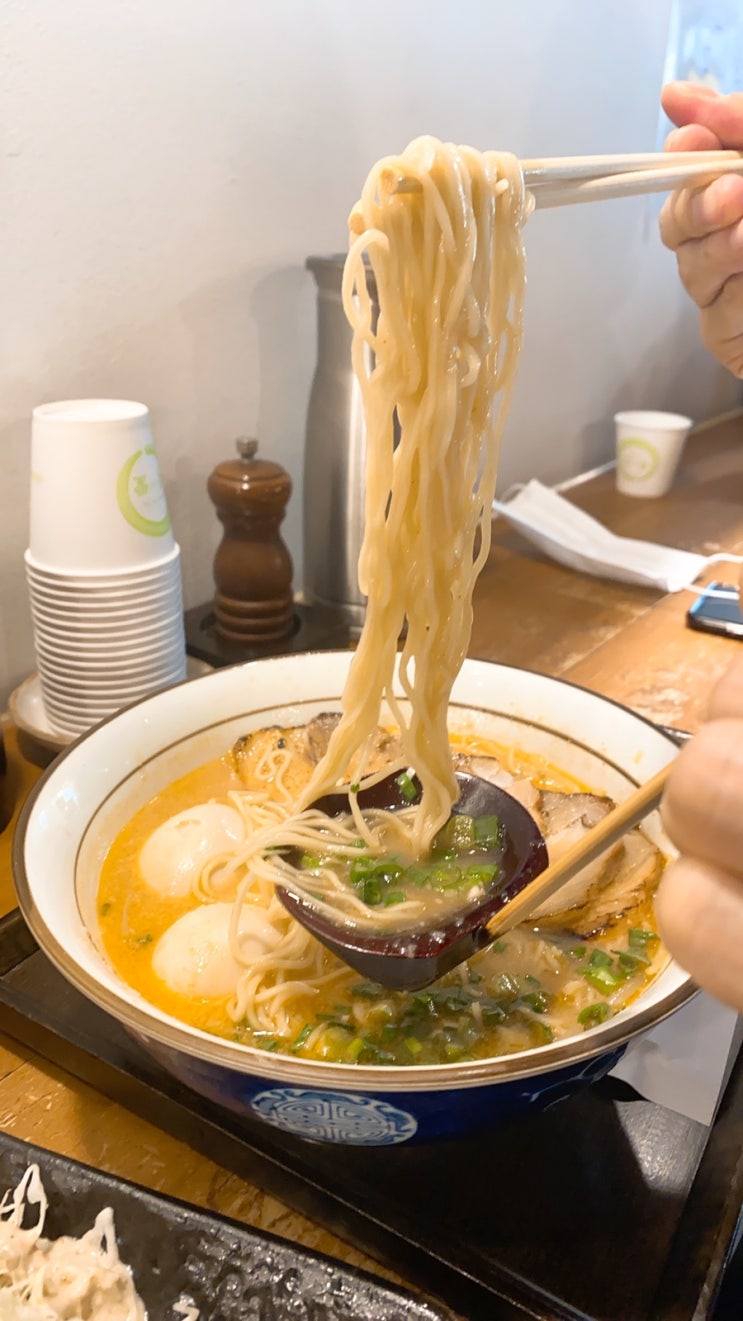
x,y
684,1062
572,537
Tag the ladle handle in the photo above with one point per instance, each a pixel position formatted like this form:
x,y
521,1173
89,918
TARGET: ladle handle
x,y
614,825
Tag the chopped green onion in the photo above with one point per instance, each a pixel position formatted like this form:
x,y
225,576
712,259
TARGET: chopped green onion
x,y
331,1022
542,1031
638,938
106,909
488,831
592,1015
310,862
354,788
446,877
378,1056
492,1011
417,876
367,990
500,946
505,985
266,1042
539,1001
413,1045
389,869
577,951
407,786
304,1034
480,873
631,962
600,959
603,979
393,897
371,891
356,1047
531,979
360,870
458,834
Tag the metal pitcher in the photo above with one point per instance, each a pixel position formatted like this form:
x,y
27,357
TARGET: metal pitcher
x,y
335,455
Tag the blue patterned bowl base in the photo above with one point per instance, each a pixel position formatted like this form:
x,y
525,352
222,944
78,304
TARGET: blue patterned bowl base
x,y
379,1119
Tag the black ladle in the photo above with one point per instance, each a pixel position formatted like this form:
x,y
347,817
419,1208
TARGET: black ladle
x,y
409,960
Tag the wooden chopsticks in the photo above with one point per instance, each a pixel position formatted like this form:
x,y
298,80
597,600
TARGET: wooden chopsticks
x,y
566,180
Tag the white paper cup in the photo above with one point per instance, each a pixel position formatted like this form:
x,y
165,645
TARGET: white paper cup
x,y
649,447
106,640
103,580
97,499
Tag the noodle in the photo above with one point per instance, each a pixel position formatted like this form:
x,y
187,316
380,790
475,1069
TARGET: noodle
x,y
448,263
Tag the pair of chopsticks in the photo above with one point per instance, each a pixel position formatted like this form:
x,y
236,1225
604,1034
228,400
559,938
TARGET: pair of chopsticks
x,y
565,180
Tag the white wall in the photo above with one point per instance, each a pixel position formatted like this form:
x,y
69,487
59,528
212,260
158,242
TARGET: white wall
x,y
167,165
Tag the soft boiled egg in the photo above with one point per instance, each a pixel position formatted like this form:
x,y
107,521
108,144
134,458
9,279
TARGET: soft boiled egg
x,y
193,957
172,857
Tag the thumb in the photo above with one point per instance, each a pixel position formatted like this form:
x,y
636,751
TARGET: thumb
x,y
693,103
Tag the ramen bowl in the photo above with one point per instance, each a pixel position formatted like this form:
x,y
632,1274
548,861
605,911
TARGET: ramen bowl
x,y
97,785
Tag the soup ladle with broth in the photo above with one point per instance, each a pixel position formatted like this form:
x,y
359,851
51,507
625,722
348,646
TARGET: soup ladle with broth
x,y
487,870
488,850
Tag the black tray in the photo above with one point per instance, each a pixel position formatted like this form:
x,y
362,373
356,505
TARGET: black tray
x,y
606,1208
229,1272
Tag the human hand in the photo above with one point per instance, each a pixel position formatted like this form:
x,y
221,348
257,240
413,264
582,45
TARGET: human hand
x,y
704,226
699,905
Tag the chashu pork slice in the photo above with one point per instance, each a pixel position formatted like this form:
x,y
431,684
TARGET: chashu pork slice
x,y
564,819
257,757
612,885
633,875
489,768
386,749
254,755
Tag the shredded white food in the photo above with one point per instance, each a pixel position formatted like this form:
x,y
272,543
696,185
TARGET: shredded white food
x,y
64,1279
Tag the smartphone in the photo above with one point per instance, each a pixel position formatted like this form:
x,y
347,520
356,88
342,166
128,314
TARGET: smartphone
x,y
717,614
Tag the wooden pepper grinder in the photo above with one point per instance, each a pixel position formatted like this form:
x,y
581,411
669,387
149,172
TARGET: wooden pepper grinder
x,y
252,567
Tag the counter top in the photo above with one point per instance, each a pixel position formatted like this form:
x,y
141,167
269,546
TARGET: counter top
x,y
629,643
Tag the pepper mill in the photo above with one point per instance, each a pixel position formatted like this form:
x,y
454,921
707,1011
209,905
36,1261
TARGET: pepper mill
x,y
252,567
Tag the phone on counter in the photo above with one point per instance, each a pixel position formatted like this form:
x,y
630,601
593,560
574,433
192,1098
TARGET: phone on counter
x,y
717,614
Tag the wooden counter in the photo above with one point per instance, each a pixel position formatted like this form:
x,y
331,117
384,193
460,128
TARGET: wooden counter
x,y
629,643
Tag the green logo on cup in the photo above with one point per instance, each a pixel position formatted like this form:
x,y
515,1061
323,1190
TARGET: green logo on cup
x,y
140,495
638,459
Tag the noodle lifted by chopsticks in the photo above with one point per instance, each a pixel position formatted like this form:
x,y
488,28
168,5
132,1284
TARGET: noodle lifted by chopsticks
x,y
448,262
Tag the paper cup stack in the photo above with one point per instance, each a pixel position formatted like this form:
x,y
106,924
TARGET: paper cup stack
x,y
102,567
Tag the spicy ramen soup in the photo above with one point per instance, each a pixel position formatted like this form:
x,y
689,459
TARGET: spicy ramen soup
x,y
190,918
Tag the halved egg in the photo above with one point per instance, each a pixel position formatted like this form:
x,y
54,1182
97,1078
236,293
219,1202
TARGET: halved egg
x,y
193,957
172,857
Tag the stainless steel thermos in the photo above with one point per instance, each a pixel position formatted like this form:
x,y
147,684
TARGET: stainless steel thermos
x,y
335,456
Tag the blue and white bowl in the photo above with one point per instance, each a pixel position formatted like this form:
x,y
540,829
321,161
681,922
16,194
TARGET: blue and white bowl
x,y
88,794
